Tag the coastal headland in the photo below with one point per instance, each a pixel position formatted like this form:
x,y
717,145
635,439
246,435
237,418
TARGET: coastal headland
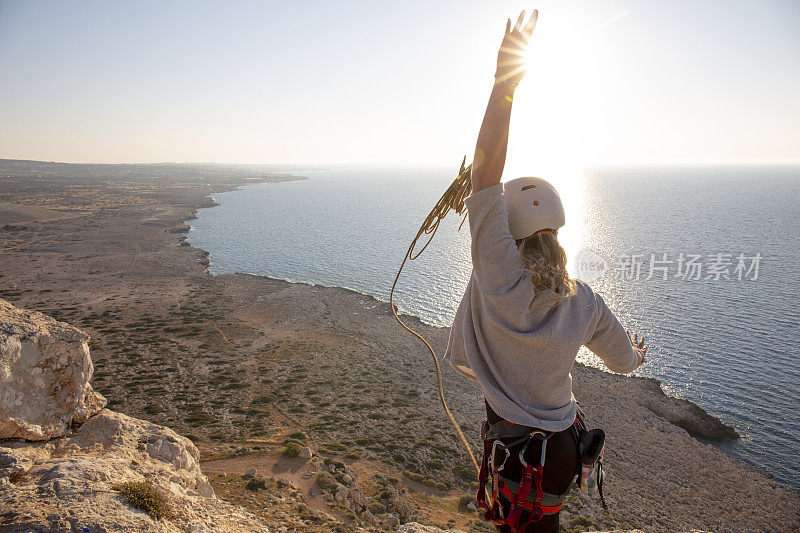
x,y
258,372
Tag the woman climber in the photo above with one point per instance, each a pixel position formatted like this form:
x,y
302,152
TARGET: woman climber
x,y
521,323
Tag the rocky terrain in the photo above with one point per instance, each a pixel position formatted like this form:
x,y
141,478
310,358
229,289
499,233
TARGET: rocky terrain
x,y
68,464
259,374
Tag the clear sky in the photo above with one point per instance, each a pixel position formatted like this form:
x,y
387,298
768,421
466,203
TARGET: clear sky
x,y
396,82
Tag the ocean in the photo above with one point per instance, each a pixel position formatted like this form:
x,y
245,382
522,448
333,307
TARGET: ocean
x,y
703,261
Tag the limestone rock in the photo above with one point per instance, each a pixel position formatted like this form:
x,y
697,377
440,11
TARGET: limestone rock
x,y
388,519
690,417
258,482
13,465
358,498
72,480
368,518
306,453
45,370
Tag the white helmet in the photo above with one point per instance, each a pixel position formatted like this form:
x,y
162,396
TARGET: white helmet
x,y
533,205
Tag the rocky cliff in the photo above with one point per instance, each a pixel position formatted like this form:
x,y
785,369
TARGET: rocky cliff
x,y
45,370
68,464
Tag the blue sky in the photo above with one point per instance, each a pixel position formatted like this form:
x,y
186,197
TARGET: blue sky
x,y
396,82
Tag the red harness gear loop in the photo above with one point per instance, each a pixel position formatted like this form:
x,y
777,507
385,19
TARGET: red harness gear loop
x,y
537,513
525,485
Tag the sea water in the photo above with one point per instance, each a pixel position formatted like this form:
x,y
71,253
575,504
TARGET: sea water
x,y
702,261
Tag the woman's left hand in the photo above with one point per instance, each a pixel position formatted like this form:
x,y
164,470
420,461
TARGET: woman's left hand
x,y
639,346
511,58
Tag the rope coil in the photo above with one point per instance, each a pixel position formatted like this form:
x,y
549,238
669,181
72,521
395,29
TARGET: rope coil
x,y
452,199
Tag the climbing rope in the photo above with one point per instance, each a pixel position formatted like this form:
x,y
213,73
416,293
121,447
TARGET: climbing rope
x,y
453,198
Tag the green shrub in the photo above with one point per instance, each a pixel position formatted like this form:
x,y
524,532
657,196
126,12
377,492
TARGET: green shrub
x,y
153,409
419,478
463,502
338,464
292,449
434,465
326,481
464,472
199,418
146,497
582,523
256,483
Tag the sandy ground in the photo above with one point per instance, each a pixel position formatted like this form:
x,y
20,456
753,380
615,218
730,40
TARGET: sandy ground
x,y
242,363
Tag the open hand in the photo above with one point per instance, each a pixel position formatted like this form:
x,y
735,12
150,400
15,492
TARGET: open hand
x,y
511,58
638,346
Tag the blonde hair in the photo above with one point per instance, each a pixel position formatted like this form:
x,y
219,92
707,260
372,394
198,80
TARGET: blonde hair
x,y
546,260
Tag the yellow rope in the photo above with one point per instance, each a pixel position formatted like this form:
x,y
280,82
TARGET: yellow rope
x,y
453,198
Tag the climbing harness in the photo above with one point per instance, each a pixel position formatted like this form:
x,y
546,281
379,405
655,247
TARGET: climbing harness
x,y
504,500
453,198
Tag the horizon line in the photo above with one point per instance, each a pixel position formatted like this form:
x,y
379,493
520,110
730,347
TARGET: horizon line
x,y
589,164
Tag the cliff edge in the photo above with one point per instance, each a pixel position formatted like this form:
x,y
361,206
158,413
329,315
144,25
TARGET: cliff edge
x,y
68,464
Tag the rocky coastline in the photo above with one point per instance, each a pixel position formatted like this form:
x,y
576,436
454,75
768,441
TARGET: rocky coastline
x,y
251,370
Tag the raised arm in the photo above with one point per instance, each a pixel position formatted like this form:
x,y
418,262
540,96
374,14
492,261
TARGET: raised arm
x,y
492,145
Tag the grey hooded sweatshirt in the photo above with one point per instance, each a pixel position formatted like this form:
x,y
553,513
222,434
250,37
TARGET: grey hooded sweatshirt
x,y
512,340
